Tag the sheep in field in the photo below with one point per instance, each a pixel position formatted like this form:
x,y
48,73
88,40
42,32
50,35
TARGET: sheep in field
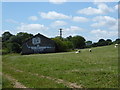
x,y
116,45
90,50
78,51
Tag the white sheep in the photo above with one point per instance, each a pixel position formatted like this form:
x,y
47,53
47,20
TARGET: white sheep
x,y
116,45
90,50
78,51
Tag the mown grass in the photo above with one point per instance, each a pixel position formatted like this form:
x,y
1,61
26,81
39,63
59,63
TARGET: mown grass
x,y
98,69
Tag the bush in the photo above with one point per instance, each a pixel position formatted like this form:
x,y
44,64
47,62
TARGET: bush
x,y
14,47
69,45
60,45
4,51
78,42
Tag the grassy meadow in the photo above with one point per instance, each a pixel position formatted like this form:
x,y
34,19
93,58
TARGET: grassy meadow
x,y
0,71
96,69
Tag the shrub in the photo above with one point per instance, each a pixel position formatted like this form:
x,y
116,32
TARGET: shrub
x,y
14,47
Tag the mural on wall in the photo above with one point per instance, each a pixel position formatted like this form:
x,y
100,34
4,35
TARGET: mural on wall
x,y
36,41
37,48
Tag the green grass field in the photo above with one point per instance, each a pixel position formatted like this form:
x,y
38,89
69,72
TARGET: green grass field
x,y
98,69
0,71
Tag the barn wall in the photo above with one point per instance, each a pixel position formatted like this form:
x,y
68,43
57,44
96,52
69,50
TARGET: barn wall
x,y
44,45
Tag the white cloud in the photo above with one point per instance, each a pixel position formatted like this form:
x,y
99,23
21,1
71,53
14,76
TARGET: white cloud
x,y
11,21
116,7
106,0
105,21
104,34
80,19
1,32
57,1
31,28
101,9
33,18
53,15
98,31
74,28
58,23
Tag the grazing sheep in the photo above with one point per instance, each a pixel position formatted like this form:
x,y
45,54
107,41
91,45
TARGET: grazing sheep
x,y
90,50
116,45
78,51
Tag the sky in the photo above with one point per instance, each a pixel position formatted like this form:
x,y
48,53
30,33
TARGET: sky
x,y
92,20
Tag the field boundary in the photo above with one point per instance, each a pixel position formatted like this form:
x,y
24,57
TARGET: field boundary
x,y
59,81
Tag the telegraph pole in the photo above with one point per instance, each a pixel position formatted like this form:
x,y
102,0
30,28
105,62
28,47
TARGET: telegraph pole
x,y
61,33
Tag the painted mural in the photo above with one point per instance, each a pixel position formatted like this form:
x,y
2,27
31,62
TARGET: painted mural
x,y
36,45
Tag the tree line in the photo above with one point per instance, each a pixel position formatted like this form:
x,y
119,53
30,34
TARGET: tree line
x,y
13,43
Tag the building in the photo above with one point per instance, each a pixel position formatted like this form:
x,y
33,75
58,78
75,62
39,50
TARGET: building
x,y
38,44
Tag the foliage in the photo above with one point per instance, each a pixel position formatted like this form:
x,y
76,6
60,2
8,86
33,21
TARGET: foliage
x,y
109,42
69,38
68,44
15,39
88,44
94,44
60,45
78,42
23,37
0,45
117,41
5,51
13,43
101,42
6,36
0,42
14,47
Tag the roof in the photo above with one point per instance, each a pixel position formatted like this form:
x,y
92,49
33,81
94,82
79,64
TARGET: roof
x,y
37,35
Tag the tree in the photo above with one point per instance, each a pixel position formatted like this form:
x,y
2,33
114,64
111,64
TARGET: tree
x,y
13,43
15,39
23,36
102,42
13,47
88,44
60,45
117,41
68,44
94,44
108,41
0,45
78,42
69,38
6,36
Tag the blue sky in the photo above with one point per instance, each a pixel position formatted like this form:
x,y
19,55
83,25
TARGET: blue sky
x,y
91,20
